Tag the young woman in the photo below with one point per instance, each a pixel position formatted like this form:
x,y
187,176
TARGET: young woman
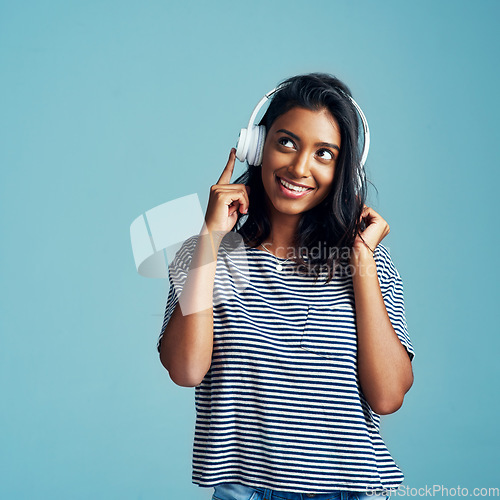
x,y
287,314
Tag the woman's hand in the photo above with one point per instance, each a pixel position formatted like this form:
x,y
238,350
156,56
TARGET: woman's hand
x,y
225,200
376,230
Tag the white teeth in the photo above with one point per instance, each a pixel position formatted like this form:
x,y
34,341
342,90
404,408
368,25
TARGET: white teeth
x,y
292,187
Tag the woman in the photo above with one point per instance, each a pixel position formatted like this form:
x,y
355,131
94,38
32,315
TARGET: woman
x,y
296,340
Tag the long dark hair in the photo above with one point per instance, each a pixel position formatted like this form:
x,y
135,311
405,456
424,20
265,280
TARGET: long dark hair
x,y
327,231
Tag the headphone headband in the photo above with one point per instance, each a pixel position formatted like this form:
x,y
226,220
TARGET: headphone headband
x,y
259,105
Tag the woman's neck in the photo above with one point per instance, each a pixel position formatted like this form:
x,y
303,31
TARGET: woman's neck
x,y
281,239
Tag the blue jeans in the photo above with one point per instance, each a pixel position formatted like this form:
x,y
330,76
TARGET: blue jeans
x,y
235,491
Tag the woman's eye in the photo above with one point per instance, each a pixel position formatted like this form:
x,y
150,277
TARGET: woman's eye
x,y
285,141
325,154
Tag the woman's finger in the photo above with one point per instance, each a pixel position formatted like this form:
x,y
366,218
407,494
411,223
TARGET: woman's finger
x,y
225,177
239,200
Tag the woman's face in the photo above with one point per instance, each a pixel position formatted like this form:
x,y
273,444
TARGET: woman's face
x,y
299,158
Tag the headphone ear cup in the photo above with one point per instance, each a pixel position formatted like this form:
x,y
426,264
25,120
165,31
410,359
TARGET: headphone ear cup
x,y
260,145
256,146
242,146
360,178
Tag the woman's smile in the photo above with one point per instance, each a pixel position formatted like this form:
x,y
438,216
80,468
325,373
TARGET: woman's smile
x,y
292,190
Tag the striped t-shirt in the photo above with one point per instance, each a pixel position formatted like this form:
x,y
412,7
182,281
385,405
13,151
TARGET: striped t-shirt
x,y
281,405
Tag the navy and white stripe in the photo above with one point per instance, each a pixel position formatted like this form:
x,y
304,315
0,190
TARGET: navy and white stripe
x,y
281,406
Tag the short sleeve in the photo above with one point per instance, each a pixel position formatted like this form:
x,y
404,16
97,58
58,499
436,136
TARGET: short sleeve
x,y
391,286
177,274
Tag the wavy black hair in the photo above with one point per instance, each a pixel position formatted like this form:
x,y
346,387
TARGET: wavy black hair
x,y
334,223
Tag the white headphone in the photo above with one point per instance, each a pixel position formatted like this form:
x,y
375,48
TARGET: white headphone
x,y
251,140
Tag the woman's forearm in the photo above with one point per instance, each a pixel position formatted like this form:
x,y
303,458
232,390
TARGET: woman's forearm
x,y
187,342
384,367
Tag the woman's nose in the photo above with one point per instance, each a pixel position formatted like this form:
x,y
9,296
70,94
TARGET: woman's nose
x,y
300,165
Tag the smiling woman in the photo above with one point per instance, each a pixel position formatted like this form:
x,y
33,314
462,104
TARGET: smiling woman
x,y
293,371
312,141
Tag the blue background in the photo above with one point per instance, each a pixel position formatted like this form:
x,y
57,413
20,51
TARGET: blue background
x,y
110,108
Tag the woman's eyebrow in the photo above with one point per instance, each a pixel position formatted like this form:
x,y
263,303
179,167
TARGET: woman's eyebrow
x,y
297,138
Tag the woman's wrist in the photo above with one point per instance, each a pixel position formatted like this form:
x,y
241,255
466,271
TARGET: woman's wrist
x,y
363,262
362,252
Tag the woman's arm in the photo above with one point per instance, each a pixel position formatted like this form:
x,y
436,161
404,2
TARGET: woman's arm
x,y
384,367
187,342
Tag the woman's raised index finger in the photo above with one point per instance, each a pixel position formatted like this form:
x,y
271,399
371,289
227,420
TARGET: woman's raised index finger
x,y
225,177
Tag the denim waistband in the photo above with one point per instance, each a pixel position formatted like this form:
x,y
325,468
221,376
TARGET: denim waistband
x,y
226,491
287,495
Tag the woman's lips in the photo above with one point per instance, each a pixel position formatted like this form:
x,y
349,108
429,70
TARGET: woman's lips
x,y
289,193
